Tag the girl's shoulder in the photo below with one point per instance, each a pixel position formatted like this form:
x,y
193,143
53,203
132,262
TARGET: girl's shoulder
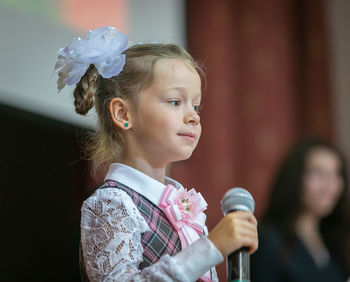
x,y
109,198
108,189
111,188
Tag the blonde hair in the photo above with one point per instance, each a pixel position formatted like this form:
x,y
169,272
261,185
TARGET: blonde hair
x,y
106,145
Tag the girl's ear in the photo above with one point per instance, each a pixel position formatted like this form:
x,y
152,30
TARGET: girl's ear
x,y
120,113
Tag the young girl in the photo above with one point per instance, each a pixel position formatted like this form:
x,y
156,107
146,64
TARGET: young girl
x,y
141,225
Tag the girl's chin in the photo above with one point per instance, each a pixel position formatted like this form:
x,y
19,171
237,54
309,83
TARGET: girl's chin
x,y
182,158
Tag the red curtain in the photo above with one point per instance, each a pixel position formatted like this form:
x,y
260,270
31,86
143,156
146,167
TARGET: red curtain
x,y
267,84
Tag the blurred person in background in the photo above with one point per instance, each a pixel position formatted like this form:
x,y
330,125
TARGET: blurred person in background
x,y
305,232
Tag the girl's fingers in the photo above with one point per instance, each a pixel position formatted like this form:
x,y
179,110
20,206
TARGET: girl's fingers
x,y
236,230
245,215
246,225
246,231
250,241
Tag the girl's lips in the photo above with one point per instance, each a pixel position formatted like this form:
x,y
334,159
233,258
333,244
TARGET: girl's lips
x,y
189,136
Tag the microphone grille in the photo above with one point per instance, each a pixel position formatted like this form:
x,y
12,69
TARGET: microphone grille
x,y
237,199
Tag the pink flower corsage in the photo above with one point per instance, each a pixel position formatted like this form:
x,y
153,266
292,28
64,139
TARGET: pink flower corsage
x,y
188,203
184,209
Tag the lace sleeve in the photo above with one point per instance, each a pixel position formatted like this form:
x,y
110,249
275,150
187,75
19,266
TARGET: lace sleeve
x,y
111,228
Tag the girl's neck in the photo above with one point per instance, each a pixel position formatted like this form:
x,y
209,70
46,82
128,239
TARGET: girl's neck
x,y
158,173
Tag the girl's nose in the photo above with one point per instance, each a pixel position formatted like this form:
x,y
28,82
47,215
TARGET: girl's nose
x,y
192,117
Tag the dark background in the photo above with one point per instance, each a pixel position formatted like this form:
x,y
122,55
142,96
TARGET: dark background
x,y
43,185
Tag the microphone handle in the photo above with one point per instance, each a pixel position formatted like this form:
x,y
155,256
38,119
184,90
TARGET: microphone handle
x,y
238,266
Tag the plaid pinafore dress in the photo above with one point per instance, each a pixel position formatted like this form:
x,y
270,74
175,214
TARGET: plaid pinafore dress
x,y
162,238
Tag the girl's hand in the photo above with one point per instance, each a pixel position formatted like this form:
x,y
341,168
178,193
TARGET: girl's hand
x,y
236,230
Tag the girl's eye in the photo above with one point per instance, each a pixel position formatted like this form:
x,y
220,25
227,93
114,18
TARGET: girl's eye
x,y
175,102
198,108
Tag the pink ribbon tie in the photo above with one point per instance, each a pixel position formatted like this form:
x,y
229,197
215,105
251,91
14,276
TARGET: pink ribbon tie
x,y
184,209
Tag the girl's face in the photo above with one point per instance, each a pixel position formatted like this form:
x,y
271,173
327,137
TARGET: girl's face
x,y
166,123
323,183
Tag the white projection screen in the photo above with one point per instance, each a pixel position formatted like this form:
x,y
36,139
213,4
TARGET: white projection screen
x,y
32,32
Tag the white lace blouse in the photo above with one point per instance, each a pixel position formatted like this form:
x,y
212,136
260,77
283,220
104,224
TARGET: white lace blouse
x,y
111,228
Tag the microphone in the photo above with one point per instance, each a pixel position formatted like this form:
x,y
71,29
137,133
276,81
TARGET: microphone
x,y
238,264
